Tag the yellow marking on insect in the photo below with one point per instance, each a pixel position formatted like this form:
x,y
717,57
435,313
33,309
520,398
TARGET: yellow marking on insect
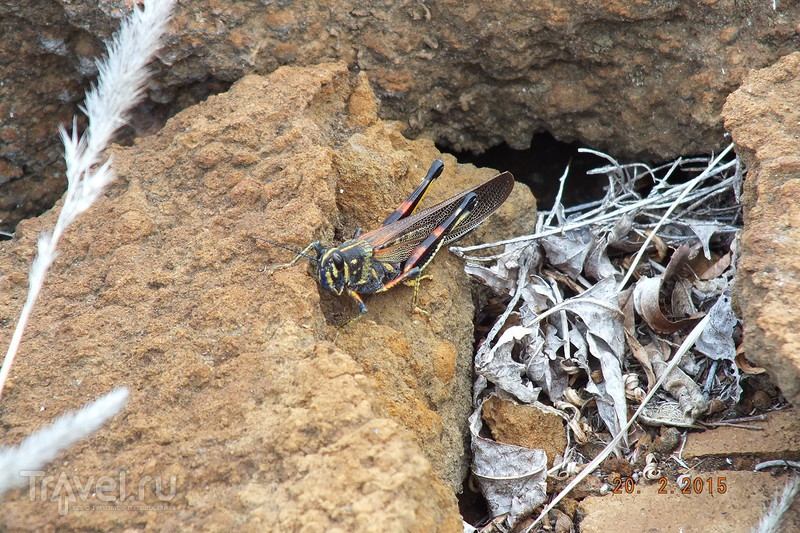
x,y
355,244
363,273
419,201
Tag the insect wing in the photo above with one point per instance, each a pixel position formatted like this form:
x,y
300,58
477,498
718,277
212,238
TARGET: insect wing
x,y
394,242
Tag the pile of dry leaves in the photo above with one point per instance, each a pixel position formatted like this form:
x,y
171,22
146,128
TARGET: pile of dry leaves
x,y
602,296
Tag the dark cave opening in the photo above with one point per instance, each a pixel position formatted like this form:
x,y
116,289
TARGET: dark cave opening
x,y
540,167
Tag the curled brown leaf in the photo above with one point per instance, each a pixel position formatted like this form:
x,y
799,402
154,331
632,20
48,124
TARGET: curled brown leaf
x,y
744,365
646,300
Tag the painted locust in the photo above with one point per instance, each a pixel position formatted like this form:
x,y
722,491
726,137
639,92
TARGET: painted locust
x,y
403,245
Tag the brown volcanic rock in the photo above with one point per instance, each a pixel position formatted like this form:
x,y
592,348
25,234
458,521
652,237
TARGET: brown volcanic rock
x,y
764,119
240,391
634,78
525,425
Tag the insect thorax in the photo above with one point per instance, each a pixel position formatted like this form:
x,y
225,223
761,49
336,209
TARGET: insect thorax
x,y
352,265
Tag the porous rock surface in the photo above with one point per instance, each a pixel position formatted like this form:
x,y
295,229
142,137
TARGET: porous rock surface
x,y
637,79
763,116
245,406
523,425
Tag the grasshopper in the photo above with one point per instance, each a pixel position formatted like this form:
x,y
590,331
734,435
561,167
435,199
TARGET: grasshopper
x,y
403,245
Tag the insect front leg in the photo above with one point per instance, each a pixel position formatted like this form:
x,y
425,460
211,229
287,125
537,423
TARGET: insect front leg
x,y
362,308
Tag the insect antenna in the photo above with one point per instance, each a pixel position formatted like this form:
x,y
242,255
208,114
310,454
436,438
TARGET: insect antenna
x,y
279,245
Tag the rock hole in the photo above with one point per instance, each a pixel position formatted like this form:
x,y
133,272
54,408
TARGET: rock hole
x,y
540,167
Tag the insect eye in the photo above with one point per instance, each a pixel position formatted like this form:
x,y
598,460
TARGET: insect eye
x,y
338,260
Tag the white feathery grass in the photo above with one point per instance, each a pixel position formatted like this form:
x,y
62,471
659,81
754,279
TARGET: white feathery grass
x,y
42,447
120,84
771,520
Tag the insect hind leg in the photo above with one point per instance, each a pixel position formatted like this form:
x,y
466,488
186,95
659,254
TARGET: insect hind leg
x,y
424,252
410,205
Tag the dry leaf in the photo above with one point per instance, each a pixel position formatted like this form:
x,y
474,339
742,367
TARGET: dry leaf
x,y
606,340
716,268
499,367
568,252
646,295
679,259
681,303
744,365
643,357
511,478
716,341
544,370
597,265
683,388
704,229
